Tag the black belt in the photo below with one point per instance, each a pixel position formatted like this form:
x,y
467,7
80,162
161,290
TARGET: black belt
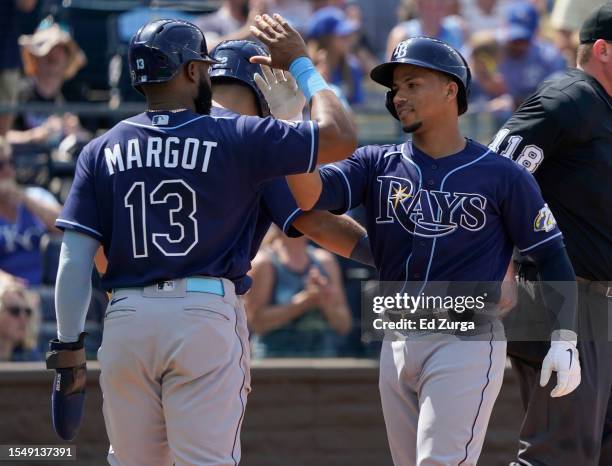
x,y
529,272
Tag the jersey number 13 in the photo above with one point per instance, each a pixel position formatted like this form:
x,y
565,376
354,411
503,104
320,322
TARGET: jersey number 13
x,y
181,233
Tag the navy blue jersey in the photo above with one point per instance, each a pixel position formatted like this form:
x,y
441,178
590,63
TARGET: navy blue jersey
x,y
277,204
171,195
455,218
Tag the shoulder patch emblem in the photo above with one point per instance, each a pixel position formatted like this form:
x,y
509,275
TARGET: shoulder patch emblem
x,y
545,220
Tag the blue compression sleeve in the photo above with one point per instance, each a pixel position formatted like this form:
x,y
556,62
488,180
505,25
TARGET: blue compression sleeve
x,y
73,285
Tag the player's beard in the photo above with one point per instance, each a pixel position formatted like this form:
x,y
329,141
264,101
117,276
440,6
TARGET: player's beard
x,y
412,127
203,101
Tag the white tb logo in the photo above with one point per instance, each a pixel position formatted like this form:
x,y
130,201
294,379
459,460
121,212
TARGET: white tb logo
x,y
400,50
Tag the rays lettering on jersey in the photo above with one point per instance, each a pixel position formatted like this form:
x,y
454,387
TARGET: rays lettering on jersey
x,y
428,213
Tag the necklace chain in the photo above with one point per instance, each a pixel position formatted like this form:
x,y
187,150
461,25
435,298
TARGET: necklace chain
x,y
171,111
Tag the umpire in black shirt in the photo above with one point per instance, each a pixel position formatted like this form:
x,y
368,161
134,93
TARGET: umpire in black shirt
x,y
563,135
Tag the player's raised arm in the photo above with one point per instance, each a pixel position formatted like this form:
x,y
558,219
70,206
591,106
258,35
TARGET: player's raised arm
x,y
337,136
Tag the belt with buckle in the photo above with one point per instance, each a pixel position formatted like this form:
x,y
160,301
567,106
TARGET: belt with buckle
x,y
603,288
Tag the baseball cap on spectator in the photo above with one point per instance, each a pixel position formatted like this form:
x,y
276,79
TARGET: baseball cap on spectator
x,y
329,21
48,34
522,21
598,25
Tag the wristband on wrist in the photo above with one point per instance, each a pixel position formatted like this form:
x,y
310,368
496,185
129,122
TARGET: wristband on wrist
x,y
309,80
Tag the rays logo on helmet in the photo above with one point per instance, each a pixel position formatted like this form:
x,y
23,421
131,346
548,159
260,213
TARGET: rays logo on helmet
x,y
400,51
545,220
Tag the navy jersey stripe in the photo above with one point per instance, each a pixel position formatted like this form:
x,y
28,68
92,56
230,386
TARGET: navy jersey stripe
x,y
541,242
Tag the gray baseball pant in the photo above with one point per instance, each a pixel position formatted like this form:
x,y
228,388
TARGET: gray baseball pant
x,y
437,395
174,376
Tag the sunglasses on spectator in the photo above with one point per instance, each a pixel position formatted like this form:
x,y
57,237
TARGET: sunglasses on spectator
x,y
15,311
7,163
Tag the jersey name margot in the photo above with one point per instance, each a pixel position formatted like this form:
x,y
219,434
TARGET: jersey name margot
x,y
171,152
428,213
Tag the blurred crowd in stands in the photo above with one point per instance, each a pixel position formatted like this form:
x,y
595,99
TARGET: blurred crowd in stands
x,y
63,79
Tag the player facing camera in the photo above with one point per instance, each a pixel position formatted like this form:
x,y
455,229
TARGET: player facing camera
x,y
424,228
429,82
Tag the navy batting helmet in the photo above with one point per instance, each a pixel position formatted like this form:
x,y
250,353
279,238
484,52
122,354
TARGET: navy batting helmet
x,y
427,53
159,49
233,64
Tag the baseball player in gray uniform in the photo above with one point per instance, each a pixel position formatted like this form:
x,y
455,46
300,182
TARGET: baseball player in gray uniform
x,y
172,196
443,208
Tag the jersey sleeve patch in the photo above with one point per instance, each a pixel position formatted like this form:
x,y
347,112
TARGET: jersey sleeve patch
x,y
545,220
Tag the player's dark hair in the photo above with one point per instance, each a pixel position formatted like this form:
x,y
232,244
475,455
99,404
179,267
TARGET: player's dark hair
x,y
584,53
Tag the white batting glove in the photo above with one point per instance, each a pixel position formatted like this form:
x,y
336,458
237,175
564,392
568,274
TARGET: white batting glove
x,y
563,358
284,98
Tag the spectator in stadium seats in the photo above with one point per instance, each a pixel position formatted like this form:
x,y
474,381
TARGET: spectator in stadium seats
x,y
26,214
9,55
296,12
318,4
321,63
50,58
434,19
482,15
489,90
232,21
330,31
8,279
406,10
362,48
297,306
528,60
566,18
19,322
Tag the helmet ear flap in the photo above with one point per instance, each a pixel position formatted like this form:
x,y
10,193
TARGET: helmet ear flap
x,y
389,104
